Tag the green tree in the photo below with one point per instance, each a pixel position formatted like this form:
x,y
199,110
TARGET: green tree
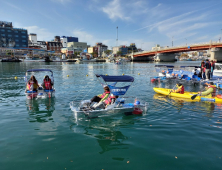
x,y
119,53
108,52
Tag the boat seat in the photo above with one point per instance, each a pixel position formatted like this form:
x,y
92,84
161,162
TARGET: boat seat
x,y
31,91
48,90
128,105
120,100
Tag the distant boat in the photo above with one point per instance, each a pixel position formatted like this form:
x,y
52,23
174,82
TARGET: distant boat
x,y
11,60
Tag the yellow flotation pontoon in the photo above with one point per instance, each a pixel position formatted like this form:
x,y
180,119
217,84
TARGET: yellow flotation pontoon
x,y
187,95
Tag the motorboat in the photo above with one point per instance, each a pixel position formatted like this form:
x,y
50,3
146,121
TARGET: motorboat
x,y
10,60
41,92
122,105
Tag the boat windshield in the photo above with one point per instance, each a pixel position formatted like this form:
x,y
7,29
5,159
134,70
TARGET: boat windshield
x,y
218,66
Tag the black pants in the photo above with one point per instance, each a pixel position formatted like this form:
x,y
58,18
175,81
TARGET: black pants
x,y
96,99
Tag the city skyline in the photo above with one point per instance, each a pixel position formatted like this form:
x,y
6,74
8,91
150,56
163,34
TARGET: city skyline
x,y
144,23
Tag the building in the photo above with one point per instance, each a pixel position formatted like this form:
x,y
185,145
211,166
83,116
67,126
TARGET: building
x,y
93,51
34,43
54,46
77,46
67,51
157,47
12,37
124,50
101,48
65,40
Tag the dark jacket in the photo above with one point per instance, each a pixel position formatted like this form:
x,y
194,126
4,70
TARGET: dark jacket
x,y
207,65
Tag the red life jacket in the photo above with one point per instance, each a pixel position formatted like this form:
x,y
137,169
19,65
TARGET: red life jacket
x,y
182,90
104,94
48,84
214,92
109,100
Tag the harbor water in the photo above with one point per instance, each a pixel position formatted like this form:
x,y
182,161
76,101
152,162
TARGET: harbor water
x,y
45,134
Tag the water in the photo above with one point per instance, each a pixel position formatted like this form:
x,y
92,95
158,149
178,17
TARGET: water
x,y
44,134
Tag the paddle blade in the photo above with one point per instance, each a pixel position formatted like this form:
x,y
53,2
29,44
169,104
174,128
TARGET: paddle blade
x,y
194,96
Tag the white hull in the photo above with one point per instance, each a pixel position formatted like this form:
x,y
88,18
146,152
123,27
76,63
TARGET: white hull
x,y
40,94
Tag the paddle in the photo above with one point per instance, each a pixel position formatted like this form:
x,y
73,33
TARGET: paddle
x,y
194,96
171,91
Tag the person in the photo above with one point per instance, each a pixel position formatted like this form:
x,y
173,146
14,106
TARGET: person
x,y
180,88
32,84
47,83
207,69
212,68
210,90
202,65
110,100
101,97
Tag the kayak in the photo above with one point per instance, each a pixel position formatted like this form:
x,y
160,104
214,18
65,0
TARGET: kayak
x,y
187,95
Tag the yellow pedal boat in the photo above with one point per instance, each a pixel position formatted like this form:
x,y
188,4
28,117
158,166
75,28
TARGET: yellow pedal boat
x,y
187,95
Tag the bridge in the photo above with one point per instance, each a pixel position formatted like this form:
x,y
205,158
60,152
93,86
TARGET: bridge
x,y
168,53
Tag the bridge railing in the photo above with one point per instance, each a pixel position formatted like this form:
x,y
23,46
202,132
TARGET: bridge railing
x,y
183,46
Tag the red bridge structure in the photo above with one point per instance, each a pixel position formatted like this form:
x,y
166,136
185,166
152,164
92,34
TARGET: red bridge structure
x,y
168,53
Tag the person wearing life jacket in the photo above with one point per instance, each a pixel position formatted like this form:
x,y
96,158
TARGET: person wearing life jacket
x,y
32,84
101,97
180,88
47,83
210,90
110,100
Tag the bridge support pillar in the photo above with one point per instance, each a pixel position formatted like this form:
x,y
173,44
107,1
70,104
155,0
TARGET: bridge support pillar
x,y
216,54
164,57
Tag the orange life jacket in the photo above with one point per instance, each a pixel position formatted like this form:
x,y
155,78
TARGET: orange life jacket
x,y
104,94
214,92
109,100
48,84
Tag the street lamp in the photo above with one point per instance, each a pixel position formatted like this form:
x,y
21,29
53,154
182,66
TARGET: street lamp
x,y
186,41
172,41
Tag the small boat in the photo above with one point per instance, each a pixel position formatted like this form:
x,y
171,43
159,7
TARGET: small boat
x,y
41,92
188,95
125,105
11,60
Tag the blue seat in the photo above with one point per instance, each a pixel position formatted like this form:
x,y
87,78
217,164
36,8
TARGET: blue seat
x,y
31,91
48,90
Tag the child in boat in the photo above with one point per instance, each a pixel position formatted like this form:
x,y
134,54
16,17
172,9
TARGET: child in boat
x,y
210,90
101,97
180,88
47,83
32,84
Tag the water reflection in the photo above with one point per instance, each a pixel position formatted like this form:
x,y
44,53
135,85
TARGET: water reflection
x,y
40,110
106,131
190,104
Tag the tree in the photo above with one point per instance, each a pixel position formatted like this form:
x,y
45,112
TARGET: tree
x,y
94,54
108,52
119,52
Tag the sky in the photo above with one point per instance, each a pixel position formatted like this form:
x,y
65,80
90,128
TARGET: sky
x,y
143,22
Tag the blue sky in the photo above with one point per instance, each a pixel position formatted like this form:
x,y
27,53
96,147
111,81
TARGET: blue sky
x,y
144,22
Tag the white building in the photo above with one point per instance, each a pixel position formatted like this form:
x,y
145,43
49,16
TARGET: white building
x,y
34,43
